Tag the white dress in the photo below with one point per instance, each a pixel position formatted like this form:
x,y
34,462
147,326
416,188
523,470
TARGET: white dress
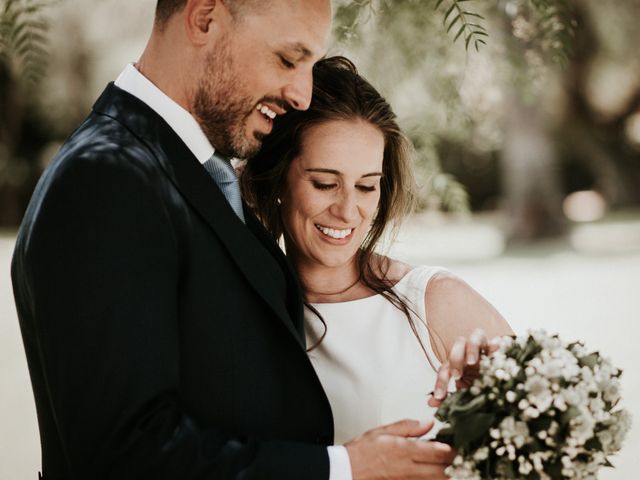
x,y
370,362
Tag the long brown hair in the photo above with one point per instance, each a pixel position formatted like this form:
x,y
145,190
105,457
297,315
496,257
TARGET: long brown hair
x,y
339,93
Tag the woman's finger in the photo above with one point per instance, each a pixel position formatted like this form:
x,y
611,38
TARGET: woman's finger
x,y
475,345
442,383
457,358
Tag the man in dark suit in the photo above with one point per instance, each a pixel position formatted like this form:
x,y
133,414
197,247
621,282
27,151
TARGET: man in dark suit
x,y
162,325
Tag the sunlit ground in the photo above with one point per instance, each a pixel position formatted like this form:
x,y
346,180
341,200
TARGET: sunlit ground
x,y
583,287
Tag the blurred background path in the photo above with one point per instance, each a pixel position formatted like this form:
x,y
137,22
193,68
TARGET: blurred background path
x,y
567,286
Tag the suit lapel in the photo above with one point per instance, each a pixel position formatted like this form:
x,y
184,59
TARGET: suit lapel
x,y
294,288
201,192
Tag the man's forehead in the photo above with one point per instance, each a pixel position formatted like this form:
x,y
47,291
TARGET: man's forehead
x,y
303,26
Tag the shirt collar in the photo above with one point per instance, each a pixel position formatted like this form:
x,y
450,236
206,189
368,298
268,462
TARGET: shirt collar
x,y
180,120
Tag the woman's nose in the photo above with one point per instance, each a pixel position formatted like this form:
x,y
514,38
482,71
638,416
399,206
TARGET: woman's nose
x,y
345,208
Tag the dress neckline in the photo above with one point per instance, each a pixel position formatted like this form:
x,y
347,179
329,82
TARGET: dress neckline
x,y
364,299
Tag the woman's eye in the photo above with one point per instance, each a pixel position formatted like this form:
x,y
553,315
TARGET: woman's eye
x,y
366,188
323,186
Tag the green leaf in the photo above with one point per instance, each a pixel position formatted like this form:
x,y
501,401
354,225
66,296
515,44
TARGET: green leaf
x,y
473,14
453,22
445,435
446,15
472,427
593,444
459,33
504,469
590,360
553,469
540,423
469,407
466,44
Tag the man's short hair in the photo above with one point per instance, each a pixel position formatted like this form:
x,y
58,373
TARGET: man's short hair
x,y
165,9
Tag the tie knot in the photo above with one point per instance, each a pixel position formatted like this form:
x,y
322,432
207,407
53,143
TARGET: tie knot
x,y
220,169
222,172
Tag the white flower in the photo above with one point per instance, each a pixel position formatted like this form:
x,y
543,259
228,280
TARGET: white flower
x,y
597,408
582,427
531,412
575,396
560,403
514,432
618,425
606,439
481,454
462,470
539,393
611,390
524,466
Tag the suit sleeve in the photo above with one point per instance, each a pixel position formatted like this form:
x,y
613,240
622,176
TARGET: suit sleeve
x,y
104,272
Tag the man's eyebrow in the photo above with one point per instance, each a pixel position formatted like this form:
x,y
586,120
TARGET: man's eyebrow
x,y
336,172
299,48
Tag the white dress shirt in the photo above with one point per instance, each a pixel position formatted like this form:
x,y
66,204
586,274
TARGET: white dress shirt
x,y
189,131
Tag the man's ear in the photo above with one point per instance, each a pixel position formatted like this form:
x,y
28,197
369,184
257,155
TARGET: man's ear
x,y
203,18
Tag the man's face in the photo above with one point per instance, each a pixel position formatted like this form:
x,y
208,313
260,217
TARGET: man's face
x,y
260,68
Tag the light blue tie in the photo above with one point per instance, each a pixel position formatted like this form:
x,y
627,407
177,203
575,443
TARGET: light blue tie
x,y
225,177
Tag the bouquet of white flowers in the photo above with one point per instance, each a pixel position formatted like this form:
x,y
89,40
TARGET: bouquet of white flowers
x,y
540,409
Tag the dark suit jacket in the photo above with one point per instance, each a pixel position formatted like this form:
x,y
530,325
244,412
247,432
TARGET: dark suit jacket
x,y
164,337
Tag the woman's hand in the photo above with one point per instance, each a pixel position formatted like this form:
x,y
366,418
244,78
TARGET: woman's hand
x,y
463,364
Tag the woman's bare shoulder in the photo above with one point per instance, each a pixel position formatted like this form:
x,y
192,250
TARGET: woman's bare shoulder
x,y
391,269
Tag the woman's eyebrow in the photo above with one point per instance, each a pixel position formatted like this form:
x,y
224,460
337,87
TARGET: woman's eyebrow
x,y
336,172
323,170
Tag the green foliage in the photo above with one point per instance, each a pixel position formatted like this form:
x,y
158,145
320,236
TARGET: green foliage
x,y
23,38
348,16
451,194
464,22
555,20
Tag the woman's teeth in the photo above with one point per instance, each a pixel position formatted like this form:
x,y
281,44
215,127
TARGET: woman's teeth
x,y
330,232
266,111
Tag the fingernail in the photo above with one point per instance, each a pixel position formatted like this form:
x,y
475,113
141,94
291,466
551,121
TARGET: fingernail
x,y
426,423
471,359
443,447
456,374
438,394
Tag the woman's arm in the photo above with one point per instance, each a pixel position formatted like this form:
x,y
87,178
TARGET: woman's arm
x,y
462,324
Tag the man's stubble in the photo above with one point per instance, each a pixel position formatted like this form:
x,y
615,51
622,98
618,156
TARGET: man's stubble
x,y
222,106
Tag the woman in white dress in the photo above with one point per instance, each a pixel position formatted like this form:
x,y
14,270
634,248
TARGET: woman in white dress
x,y
383,336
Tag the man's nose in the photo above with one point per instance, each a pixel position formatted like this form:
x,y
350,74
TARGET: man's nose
x,y
298,93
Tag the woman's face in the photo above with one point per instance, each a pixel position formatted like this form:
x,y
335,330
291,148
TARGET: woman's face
x,y
332,191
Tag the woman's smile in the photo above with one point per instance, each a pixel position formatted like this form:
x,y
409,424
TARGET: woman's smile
x,y
335,233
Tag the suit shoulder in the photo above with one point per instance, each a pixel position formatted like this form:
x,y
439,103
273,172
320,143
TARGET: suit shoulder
x,y
103,137
103,147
